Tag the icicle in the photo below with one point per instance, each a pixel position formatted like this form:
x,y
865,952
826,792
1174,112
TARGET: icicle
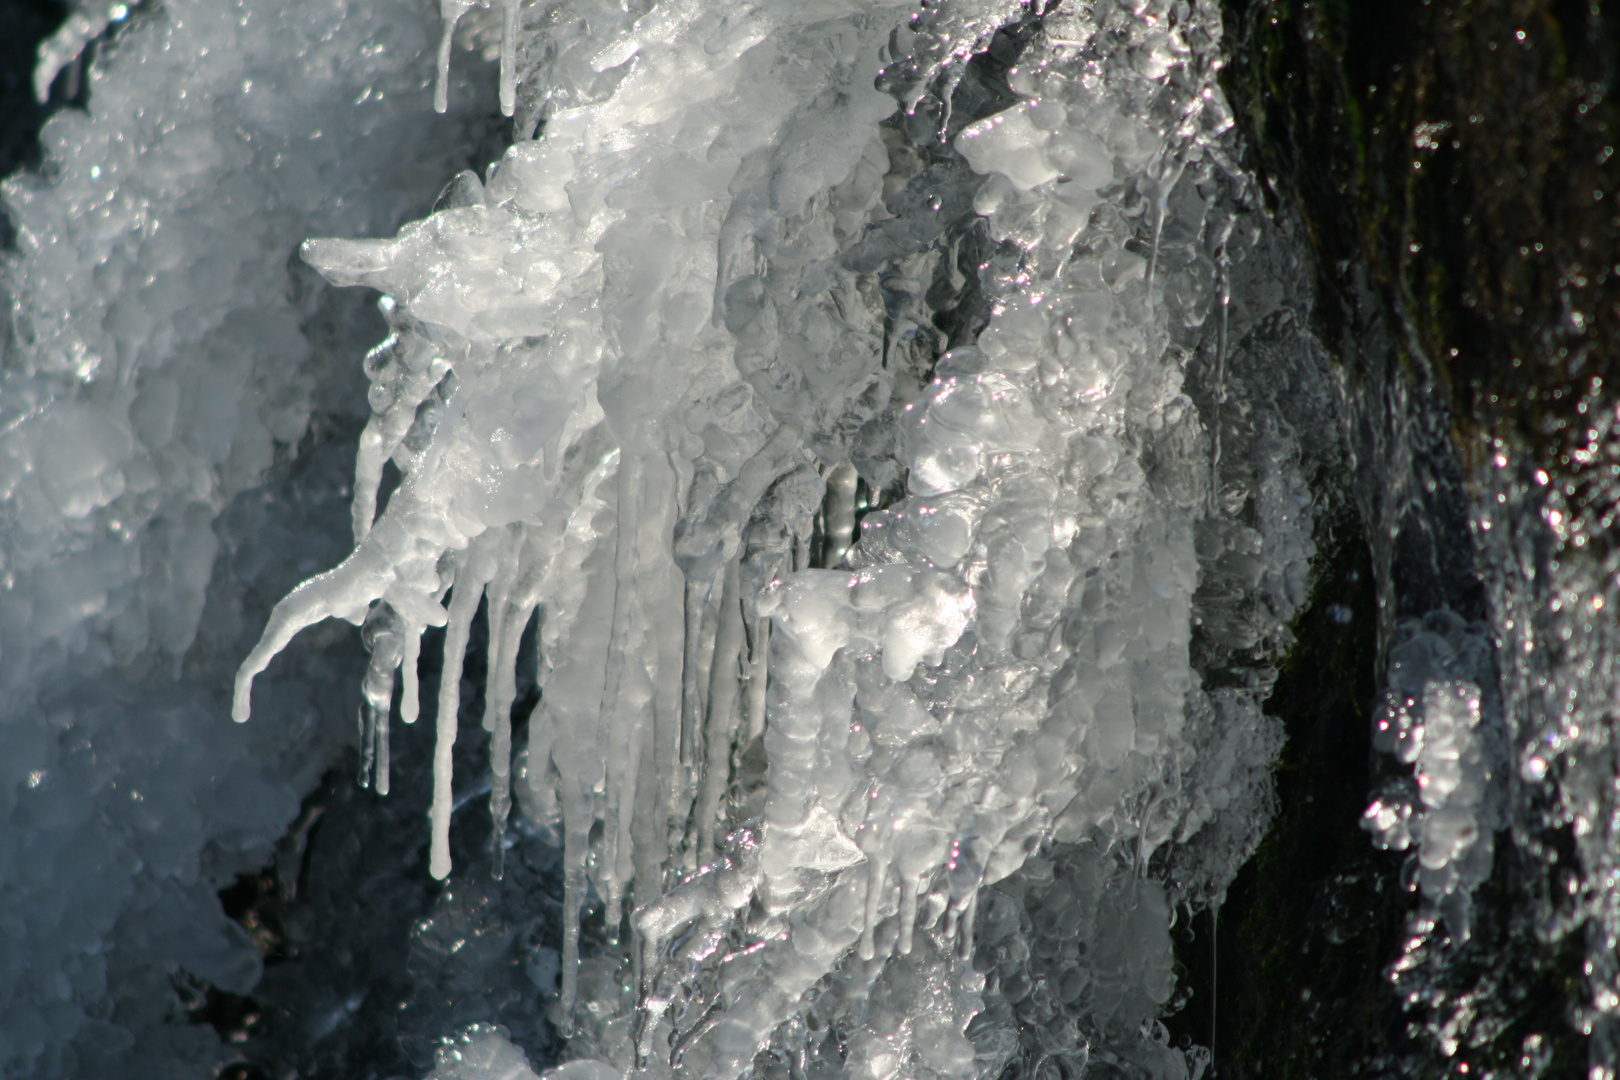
x,y
969,917
1223,263
614,727
908,912
450,12
697,598
838,513
372,452
877,869
410,694
721,727
368,744
577,821
404,374
621,819
571,651
754,704
463,606
575,698
1167,180
509,51
500,693
381,636
497,698
648,839
381,724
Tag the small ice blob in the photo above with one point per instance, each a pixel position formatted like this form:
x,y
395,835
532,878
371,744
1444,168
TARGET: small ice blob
x,y
484,1052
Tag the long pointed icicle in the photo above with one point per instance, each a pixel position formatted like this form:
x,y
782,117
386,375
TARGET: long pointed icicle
x,y
613,709
721,726
576,751
383,637
908,912
463,606
498,714
877,882
520,602
450,12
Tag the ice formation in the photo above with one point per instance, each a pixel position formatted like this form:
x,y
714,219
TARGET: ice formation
x,y
634,366
1441,717
865,437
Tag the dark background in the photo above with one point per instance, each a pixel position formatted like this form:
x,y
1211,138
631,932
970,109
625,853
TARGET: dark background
x,y
23,23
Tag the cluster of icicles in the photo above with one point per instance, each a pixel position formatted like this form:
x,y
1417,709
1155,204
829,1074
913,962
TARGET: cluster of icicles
x,y
629,371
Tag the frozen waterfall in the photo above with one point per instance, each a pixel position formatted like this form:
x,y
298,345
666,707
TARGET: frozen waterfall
x,y
860,460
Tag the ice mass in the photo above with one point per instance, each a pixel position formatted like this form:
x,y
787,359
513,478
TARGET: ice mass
x,y
823,494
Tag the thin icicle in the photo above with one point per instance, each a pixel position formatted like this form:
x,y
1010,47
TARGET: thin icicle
x,y
575,694
509,50
697,600
758,669
1167,180
382,637
501,691
908,912
463,606
838,513
721,727
578,817
368,745
613,726
410,694
877,881
450,12
381,723
1223,266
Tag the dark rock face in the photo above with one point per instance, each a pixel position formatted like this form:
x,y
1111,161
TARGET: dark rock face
x,y
1461,156
1451,165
